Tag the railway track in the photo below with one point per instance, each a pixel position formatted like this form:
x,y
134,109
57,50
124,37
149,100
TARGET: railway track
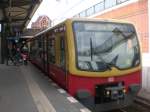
x,y
122,110
118,110
132,108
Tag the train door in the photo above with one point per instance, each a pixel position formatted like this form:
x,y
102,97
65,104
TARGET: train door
x,y
39,59
63,67
45,55
51,50
42,52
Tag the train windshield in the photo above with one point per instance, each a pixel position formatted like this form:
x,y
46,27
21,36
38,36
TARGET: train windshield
x,y
103,45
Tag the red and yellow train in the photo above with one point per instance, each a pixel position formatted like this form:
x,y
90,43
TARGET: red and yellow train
x,y
100,58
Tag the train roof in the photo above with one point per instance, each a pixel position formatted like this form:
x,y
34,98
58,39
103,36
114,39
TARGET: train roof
x,y
83,19
98,19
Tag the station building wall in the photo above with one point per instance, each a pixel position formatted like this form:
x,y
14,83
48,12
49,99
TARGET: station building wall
x,y
136,13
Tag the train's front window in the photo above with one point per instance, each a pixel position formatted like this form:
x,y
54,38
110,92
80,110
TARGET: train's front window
x,y
101,46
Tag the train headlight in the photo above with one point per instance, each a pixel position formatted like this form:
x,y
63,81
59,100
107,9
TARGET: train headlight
x,y
124,90
107,93
83,65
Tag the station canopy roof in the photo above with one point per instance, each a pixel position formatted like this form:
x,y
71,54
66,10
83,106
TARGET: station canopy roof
x,y
18,12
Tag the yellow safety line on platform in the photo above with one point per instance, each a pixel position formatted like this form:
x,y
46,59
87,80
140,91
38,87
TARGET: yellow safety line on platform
x,y
40,99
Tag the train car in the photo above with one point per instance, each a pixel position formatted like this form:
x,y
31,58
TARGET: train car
x,y
92,58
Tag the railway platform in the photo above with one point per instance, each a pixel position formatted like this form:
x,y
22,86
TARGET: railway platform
x,y
27,89
143,96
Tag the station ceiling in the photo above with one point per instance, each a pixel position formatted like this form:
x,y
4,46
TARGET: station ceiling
x,y
18,12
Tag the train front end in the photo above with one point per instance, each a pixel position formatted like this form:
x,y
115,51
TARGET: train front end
x,y
104,61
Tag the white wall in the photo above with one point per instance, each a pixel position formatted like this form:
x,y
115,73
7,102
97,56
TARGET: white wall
x,y
146,60
149,22
146,78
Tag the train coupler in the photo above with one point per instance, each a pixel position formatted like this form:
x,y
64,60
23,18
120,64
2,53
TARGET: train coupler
x,y
110,92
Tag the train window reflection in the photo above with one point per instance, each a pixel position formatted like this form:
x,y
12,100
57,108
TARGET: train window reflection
x,y
62,53
101,48
51,49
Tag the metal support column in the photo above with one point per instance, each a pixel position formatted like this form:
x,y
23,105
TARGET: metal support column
x,y
0,43
3,44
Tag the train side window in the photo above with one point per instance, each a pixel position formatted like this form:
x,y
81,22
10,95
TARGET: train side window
x,y
40,50
39,42
51,51
33,50
62,53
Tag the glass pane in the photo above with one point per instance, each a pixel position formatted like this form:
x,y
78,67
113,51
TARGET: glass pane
x,y
121,1
110,3
101,45
83,14
51,50
33,49
90,11
99,7
62,53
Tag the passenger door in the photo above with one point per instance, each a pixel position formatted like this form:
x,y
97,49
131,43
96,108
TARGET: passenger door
x,y
45,55
63,67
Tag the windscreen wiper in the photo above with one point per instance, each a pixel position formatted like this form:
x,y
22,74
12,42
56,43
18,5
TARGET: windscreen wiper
x,y
92,52
104,62
117,32
91,48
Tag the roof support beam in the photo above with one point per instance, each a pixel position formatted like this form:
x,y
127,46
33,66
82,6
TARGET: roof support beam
x,y
21,7
18,12
20,3
16,3
31,8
